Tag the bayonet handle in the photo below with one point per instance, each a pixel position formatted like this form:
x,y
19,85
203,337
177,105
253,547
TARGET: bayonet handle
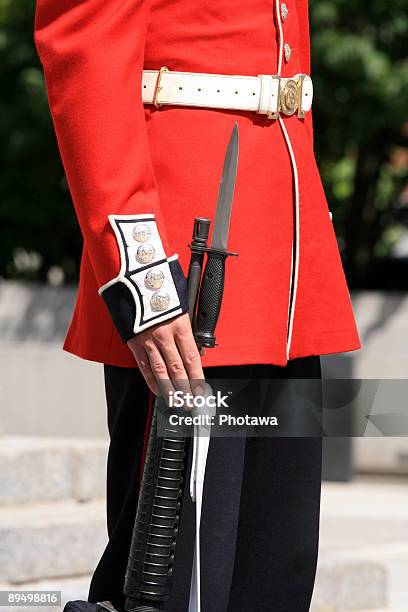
x,y
198,247
194,278
210,299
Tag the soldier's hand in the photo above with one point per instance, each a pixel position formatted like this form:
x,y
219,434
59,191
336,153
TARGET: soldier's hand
x,y
168,357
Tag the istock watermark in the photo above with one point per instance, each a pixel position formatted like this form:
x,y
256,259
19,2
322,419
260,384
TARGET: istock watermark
x,y
180,399
328,407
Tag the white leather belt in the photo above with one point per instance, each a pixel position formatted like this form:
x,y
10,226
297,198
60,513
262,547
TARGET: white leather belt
x,y
266,94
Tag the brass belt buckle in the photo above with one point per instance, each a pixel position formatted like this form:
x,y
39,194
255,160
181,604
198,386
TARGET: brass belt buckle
x,y
158,87
290,96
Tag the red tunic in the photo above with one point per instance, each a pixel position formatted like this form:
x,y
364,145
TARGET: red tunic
x,y
123,158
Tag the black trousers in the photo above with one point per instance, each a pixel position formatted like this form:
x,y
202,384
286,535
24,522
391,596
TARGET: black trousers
x,y
260,516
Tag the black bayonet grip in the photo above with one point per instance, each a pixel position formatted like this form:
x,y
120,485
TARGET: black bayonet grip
x,y
209,304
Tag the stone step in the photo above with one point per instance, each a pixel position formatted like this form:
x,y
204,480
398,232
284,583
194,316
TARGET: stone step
x,y
51,469
366,520
56,539
348,583
331,581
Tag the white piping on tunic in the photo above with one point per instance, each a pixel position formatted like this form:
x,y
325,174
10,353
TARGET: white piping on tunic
x,y
297,223
294,274
280,42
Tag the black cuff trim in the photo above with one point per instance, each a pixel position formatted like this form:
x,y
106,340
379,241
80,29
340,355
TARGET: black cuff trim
x,y
119,300
181,283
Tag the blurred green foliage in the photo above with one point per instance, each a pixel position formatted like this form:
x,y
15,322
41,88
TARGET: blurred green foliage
x,y
38,227
360,73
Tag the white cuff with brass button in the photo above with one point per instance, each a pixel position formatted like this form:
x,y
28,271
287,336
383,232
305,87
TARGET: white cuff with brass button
x,y
154,282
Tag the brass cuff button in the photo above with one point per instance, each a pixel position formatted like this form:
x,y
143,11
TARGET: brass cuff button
x,y
145,253
160,300
154,279
141,232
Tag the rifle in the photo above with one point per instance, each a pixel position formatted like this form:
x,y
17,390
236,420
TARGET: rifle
x,y
154,540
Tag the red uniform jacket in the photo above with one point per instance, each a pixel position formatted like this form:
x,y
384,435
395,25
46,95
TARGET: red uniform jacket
x,y
138,176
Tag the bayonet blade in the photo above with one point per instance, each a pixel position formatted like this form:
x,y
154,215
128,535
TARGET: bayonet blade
x,y
226,193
